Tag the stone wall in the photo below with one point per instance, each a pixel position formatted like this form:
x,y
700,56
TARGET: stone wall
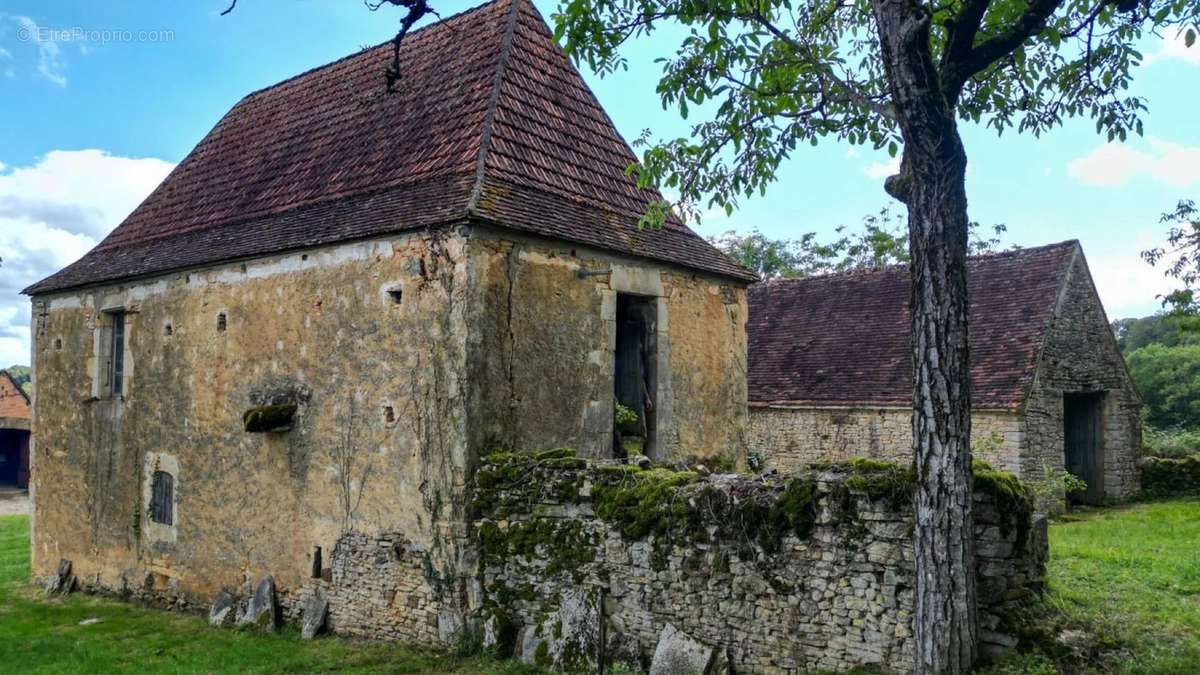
x,y
1080,355
789,438
544,375
379,586
403,357
813,571
367,339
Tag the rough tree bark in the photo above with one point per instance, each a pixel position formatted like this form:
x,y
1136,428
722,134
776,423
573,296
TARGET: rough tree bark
x,y
932,185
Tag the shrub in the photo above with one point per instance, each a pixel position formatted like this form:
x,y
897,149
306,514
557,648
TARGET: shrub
x,y
1171,477
1171,443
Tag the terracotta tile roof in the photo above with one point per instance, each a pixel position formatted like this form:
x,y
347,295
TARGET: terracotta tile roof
x,y
490,122
14,402
843,339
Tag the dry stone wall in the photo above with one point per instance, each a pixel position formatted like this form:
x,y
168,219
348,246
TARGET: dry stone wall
x,y
788,438
585,562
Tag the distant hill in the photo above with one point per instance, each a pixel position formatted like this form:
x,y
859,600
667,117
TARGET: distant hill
x,y
23,375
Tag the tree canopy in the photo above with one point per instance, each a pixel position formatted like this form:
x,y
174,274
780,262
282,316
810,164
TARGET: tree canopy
x,y
1182,255
882,241
768,76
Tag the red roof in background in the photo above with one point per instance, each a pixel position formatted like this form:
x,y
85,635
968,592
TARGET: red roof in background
x,y
490,122
14,402
843,339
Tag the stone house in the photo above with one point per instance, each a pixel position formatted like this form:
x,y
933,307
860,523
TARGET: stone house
x,y
15,416
830,370
289,358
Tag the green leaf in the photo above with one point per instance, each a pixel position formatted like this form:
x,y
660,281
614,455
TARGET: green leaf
x,y
892,149
1189,38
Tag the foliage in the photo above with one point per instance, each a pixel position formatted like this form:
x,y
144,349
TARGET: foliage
x,y
883,241
768,77
1168,330
1146,619
1182,255
45,635
624,415
1050,490
1170,443
1171,477
1169,381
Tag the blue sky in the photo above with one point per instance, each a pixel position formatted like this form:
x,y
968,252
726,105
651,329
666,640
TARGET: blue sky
x,y
101,99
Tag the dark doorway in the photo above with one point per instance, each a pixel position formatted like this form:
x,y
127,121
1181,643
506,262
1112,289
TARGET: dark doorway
x,y
1083,440
636,373
14,457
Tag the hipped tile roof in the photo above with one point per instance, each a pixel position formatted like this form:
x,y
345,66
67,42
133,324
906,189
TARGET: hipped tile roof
x,y
490,122
843,339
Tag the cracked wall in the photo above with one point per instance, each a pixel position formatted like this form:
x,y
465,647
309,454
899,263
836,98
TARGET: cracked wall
x,y
322,328
404,357
543,365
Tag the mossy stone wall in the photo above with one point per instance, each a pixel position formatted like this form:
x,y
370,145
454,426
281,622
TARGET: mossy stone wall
x,y
806,571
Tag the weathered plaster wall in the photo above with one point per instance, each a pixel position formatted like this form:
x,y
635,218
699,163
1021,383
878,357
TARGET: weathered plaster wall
x,y
406,357
792,438
569,574
1080,355
543,364
378,444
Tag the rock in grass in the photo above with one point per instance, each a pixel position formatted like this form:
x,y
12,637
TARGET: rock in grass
x,y
313,619
222,611
260,610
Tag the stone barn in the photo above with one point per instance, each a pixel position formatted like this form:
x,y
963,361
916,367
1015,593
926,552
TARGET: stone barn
x,y
15,417
289,358
831,372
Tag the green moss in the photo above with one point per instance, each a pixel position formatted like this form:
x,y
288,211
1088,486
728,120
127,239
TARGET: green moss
x,y
565,545
643,503
1171,477
266,418
541,655
1014,501
878,479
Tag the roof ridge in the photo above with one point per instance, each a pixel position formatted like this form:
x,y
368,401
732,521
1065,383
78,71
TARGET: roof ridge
x,y
485,137
363,50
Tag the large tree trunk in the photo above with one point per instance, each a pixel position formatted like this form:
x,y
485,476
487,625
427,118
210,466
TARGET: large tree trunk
x,y
932,185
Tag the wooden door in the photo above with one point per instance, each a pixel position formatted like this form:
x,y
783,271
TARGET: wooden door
x,y
1083,441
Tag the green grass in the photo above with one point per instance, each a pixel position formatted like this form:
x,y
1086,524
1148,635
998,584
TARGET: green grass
x,y
40,635
1128,577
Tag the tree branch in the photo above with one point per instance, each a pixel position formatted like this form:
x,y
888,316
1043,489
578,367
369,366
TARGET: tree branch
x,y
957,70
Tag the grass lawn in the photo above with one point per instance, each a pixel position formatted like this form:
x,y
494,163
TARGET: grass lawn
x,y
45,636
1124,581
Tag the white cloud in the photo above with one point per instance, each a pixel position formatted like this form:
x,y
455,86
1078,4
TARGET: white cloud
x,y
51,213
1173,48
1129,286
883,169
50,63
1114,164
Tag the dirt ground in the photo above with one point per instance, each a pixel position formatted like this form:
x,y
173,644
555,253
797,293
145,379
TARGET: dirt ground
x,y
13,501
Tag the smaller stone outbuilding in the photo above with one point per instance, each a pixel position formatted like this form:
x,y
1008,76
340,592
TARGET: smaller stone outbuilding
x,y
830,371
15,417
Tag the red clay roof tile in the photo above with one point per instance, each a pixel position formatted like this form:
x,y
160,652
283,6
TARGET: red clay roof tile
x,y
490,122
843,339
